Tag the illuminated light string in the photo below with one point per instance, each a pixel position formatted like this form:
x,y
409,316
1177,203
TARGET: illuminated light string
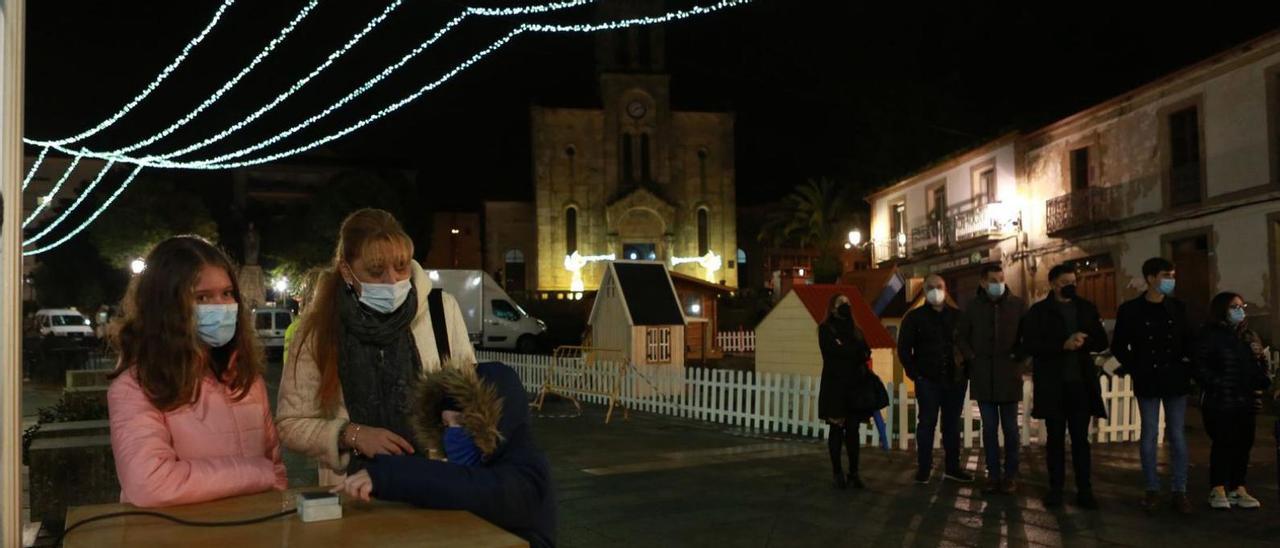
x,y
31,174
74,205
333,57
360,90
217,15
218,162
45,203
213,98
537,9
526,27
88,221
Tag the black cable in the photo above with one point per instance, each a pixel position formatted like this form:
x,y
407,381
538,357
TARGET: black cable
x,y
174,519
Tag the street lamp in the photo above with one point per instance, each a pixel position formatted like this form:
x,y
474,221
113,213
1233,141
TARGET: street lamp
x,y
855,237
281,285
137,266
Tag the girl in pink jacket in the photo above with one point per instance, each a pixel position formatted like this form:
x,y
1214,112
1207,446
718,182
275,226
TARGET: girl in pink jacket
x,y
190,421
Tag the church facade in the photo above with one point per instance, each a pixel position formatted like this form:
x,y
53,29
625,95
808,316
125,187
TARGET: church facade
x,y
634,179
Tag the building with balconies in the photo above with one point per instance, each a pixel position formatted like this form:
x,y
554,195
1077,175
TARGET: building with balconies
x,y
1186,167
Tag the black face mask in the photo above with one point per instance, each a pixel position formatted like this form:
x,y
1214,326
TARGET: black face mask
x,y
843,311
1068,291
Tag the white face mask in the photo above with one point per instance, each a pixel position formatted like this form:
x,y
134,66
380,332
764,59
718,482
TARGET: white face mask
x,y
935,296
385,298
216,323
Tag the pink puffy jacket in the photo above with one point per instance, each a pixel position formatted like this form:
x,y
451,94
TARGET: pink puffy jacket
x,y
210,449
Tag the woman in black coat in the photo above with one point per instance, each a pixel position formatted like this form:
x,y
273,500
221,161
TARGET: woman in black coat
x,y
844,365
1231,368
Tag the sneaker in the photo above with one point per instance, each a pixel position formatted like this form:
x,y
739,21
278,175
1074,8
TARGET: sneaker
x,y
923,476
1218,499
1150,502
1182,504
1053,499
1086,501
1009,486
1240,498
855,481
958,475
992,486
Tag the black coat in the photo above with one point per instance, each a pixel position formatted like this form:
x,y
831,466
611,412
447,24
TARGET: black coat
x,y
1044,332
1227,369
510,488
1158,357
926,345
987,336
844,364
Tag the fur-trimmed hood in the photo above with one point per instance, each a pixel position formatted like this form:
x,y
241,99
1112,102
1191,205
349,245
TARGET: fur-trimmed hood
x,y
491,399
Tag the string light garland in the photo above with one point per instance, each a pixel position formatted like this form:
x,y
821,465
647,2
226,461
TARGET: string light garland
x,y
368,85
218,163
221,163
31,174
226,86
217,15
74,205
45,203
91,218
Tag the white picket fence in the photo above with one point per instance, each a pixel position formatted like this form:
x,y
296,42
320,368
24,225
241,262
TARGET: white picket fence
x,y
736,341
783,403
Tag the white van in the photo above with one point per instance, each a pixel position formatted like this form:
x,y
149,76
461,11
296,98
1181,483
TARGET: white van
x,y
270,324
494,319
65,323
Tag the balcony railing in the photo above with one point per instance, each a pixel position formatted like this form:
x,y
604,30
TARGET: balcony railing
x,y
1082,209
975,222
887,251
926,237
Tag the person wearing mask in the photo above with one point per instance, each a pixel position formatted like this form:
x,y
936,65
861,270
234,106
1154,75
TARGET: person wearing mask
x,y
1231,369
987,336
373,326
190,421
927,351
844,364
477,417
1059,333
1152,342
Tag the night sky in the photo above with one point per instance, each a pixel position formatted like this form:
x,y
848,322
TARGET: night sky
x,y
820,88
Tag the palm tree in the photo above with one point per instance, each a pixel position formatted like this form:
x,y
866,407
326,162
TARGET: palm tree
x,y
814,216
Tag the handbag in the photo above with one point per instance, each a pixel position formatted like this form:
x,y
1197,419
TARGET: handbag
x,y
868,394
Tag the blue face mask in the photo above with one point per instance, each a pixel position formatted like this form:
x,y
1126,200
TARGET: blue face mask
x,y
459,448
1235,315
995,289
385,298
216,323
1166,286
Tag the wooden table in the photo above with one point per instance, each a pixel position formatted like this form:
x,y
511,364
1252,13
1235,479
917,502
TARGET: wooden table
x,y
382,524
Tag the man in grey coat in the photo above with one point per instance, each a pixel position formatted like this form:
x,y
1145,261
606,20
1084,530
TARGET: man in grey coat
x,y
987,337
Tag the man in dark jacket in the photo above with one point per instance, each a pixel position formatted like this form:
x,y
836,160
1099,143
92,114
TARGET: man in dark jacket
x,y
1059,333
478,416
927,351
1152,342
987,337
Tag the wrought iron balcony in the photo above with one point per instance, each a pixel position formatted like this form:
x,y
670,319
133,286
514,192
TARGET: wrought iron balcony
x,y
1083,209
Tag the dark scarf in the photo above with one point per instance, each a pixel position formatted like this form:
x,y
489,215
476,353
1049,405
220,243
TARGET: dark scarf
x,y
378,363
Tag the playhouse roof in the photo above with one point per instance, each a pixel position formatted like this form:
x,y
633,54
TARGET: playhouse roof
x,y
816,298
647,289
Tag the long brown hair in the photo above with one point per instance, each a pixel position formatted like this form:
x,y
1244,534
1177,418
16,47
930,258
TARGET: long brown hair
x,y
374,235
157,336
